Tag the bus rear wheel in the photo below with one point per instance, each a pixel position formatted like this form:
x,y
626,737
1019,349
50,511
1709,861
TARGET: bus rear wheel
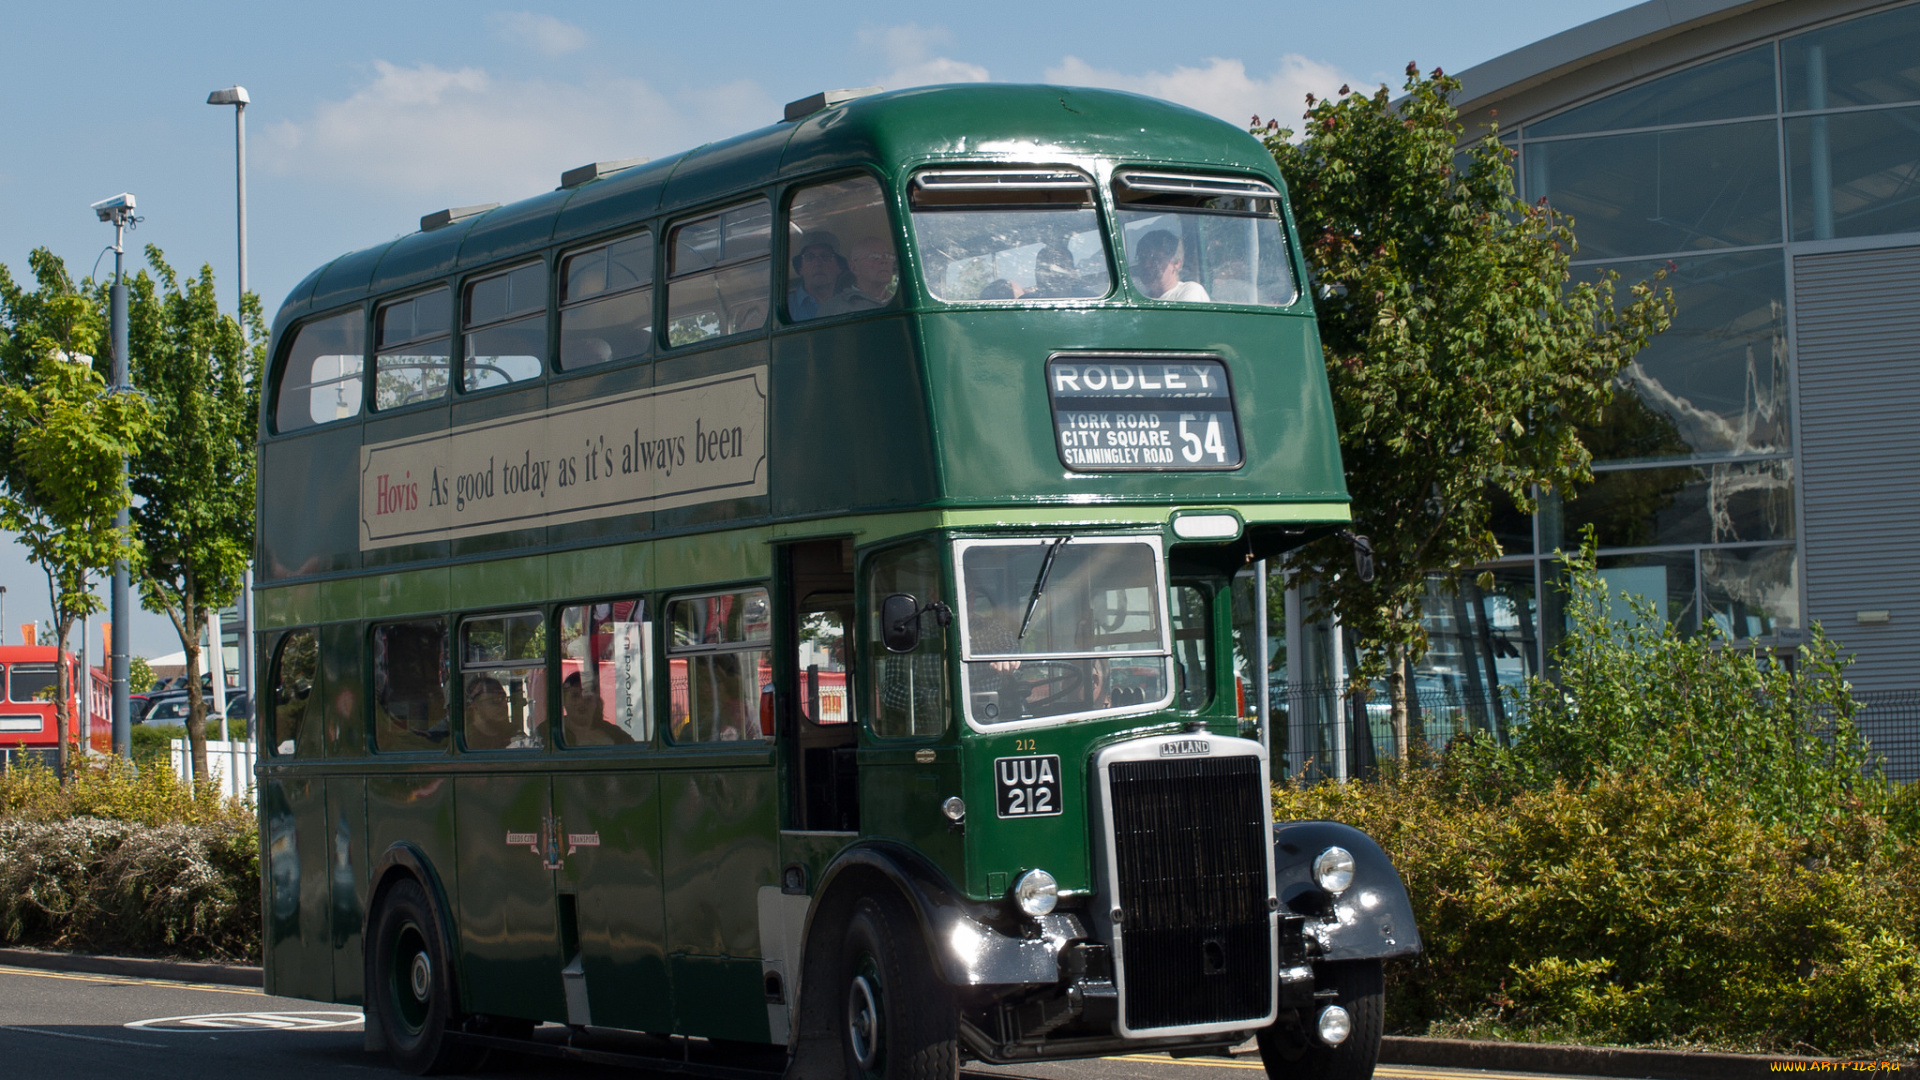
x,y
898,1020
1296,1053
409,989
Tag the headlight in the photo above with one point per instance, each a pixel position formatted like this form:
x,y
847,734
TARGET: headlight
x,y
1333,870
1333,1025
1036,892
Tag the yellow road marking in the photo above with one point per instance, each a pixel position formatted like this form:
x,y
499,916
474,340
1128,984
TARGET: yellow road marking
x,y
1402,1072
126,980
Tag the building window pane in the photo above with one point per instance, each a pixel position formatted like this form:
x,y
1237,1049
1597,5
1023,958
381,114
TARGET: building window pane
x,y
606,311
1716,382
1663,583
506,328
1867,61
411,350
1664,191
321,381
1752,592
1855,174
1724,89
605,672
410,686
1695,504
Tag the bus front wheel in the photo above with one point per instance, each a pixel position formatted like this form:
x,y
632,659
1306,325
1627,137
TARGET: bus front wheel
x,y
410,986
898,1020
1294,1052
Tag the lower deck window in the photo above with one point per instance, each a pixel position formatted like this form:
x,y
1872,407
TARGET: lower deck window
x,y
604,674
410,686
720,667
503,674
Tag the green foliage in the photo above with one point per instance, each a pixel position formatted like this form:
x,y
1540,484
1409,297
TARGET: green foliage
x,y
154,742
1732,721
139,675
1462,358
1641,910
115,790
194,475
65,439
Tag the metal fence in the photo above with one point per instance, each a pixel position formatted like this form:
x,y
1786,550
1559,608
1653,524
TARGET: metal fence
x,y
1320,734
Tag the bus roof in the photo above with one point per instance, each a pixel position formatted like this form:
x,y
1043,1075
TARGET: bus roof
x,y
893,130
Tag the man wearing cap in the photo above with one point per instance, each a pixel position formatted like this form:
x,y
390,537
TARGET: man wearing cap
x,y
818,272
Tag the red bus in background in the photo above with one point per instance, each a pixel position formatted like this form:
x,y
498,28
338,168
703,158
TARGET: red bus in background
x,y
28,675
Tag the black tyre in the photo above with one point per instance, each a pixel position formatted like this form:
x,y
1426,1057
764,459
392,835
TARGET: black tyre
x,y
1292,1052
409,987
898,1020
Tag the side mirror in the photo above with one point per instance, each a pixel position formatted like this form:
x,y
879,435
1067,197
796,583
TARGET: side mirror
x,y
900,623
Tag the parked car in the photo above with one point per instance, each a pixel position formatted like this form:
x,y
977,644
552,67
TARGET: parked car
x,y
170,707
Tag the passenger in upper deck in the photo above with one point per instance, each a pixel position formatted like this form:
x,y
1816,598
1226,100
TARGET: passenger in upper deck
x,y
820,278
1157,262
875,279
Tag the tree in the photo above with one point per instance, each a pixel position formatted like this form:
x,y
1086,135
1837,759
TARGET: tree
x,y
64,440
1463,357
193,476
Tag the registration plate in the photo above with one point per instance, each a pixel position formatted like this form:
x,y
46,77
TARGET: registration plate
x,y
1027,786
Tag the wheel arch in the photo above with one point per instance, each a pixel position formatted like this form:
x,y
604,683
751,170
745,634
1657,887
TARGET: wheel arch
x,y
404,861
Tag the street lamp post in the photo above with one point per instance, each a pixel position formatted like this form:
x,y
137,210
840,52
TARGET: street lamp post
x,y
236,96
118,211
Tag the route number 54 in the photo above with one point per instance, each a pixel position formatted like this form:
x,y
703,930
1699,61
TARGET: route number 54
x,y
1193,447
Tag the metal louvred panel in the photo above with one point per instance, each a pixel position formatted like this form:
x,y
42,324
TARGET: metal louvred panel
x,y
1857,339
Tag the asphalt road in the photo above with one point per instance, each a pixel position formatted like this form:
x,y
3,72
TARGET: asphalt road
x,y
79,1027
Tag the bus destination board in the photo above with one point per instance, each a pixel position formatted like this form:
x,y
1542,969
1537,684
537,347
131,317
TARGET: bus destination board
x,y
1132,414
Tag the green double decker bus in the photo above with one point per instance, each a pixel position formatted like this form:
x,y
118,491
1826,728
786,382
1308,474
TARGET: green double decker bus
x,y
770,609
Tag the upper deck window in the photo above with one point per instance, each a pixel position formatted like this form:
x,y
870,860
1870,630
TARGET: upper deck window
x,y
1204,239
717,274
321,381
841,250
505,319
1008,234
606,303
410,349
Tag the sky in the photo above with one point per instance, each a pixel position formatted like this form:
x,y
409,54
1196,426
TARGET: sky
x,y
366,116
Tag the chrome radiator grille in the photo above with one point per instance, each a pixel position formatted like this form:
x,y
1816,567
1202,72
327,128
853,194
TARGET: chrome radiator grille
x,y
1190,867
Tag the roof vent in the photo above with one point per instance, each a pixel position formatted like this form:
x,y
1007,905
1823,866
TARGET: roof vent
x,y
825,99
440,219
573,178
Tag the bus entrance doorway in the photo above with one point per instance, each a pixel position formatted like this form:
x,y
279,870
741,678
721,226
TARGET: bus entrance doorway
x,y
819,621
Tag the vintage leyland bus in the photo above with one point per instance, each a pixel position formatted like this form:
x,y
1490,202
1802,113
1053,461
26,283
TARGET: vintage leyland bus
x,y
770,608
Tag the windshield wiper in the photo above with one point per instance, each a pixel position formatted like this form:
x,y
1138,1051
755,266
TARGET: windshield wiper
x,y
1040,584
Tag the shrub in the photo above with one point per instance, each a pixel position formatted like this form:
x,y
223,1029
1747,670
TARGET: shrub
x,y
99,885
114,790
1641,910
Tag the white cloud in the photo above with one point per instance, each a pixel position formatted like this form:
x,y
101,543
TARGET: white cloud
x,y
910,49
544,32
1222,87
467,137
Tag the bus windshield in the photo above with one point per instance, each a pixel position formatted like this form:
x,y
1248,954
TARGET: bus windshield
x,y
1062,626
1200,239
988,235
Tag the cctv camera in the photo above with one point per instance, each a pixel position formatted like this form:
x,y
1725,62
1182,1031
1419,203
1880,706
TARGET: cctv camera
x,y
120,205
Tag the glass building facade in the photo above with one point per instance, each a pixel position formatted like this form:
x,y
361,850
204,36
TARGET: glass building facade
x,y
1718,169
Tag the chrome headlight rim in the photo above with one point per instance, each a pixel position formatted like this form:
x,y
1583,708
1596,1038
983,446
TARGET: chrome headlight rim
x,y
1333,870
1036,893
